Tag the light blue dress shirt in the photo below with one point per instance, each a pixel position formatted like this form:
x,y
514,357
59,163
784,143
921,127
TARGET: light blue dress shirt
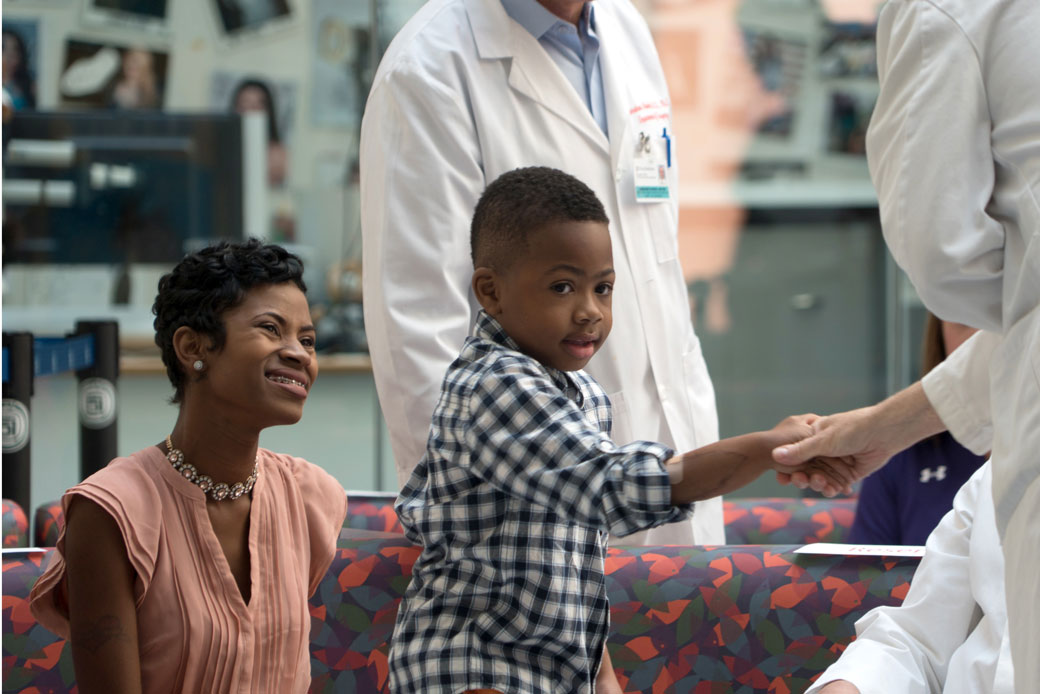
x,y
574,49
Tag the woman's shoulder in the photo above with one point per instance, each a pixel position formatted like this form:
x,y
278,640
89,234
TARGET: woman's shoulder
x,y
135,475
298,472
322,500
131,491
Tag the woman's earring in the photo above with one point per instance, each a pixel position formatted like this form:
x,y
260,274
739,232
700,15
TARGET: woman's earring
x,y
198,365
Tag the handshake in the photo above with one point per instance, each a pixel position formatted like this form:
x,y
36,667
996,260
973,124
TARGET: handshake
x,y
828,454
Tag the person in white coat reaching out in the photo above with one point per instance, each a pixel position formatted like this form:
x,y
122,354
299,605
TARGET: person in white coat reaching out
x,y
950,634
954,152
471,89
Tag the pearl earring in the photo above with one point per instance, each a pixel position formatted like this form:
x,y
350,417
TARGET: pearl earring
x,y
198,365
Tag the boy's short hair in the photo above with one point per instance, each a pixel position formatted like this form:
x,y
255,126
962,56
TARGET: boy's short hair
x,y
524,200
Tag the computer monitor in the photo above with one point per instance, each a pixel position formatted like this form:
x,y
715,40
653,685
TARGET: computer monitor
x,y
120,187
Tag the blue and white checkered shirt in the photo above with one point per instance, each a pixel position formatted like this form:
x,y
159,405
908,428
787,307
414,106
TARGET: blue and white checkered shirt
x,y
511,503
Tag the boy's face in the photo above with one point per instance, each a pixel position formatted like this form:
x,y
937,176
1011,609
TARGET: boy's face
x,y
554,300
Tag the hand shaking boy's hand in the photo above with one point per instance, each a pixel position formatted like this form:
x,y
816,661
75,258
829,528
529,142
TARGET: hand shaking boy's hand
x,y
727,465
839,474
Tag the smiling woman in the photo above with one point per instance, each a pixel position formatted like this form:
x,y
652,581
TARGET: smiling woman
x,y
187,566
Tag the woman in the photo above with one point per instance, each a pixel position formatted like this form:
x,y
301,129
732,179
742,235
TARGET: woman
x,y
18,82
138,85
254,95
186,567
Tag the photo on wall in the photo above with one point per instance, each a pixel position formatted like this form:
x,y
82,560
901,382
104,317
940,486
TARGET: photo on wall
x,y
238,18
848,50
779,63
342,62
21,62
243,92
105,75
149,15
847,121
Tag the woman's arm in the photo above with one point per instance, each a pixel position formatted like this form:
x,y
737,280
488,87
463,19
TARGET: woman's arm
x,y
102,614
729,464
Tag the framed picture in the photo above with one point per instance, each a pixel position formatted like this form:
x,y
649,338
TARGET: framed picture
x,y
342,62
105,75
848,50
779,62
241,93
21,62
243,18
848,116
149,15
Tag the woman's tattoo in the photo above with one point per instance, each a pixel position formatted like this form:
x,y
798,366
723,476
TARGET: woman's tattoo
x,y
95,634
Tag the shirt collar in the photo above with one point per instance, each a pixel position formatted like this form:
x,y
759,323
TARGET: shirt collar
x,y
532,16
487,328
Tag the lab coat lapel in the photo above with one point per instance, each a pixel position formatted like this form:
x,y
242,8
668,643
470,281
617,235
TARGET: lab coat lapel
x,y
616,95
532,73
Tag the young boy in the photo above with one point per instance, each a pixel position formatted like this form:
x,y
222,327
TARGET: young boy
x,y
521,482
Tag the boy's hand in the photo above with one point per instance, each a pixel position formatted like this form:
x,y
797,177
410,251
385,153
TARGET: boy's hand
x,y
795,428
837,472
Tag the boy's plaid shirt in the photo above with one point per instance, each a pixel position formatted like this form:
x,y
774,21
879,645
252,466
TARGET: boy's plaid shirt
x,y
511,503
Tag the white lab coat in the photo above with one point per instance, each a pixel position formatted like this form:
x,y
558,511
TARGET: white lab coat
x,y
954,151
462,95
950,634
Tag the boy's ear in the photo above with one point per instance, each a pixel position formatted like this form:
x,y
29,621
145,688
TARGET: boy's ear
x,y
486,289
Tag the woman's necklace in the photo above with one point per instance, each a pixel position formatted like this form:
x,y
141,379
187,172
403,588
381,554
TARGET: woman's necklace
x,y
217,491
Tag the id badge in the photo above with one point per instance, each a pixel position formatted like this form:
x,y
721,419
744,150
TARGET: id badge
x,y
650,165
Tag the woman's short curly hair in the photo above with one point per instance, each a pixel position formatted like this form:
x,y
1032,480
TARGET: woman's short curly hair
x,y
205,284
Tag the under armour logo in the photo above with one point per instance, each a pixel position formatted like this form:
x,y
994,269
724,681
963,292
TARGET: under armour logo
x,y
939,474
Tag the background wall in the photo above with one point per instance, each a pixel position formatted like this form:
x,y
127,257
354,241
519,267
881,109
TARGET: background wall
x,y
778,240
318,194
341,429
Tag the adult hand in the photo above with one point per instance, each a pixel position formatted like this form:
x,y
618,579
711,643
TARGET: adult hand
x,y
851,437
863,439
833,475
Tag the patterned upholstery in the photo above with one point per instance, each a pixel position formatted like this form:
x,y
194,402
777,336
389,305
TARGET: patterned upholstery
x,y
748,521
16,525
35,659
787,521
372,511
725,620
47,524
698,620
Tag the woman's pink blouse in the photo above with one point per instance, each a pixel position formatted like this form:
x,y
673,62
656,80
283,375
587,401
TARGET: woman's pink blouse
x,y
195,632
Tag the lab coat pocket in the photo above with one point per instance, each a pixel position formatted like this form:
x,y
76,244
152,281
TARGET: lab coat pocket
x,y
664,228
621,419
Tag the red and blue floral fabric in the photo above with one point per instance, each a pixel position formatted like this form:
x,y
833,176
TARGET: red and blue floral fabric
x,y
15,525
699,620
787,521
750,521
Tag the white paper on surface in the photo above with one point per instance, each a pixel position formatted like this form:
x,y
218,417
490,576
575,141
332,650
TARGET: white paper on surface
x,y
862,550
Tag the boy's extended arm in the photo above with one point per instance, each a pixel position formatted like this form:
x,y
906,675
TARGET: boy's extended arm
x,y
730,464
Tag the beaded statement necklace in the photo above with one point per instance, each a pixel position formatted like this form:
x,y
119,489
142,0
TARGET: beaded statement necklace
x,y
218,491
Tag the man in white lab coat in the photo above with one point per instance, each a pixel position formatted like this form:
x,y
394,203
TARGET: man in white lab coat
x,y
954,151
470,89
